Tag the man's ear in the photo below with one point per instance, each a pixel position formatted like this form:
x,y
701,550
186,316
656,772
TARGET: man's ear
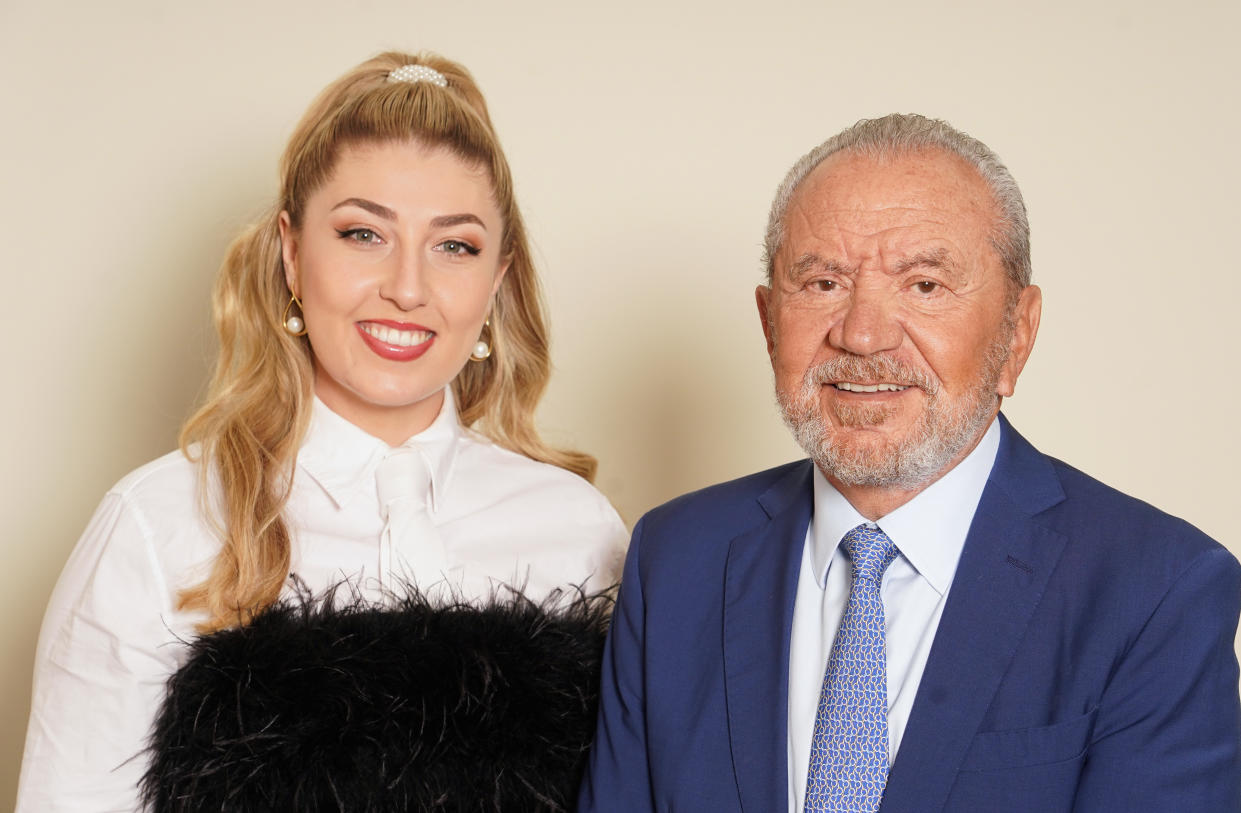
x,y
762,297
1026,315
288,251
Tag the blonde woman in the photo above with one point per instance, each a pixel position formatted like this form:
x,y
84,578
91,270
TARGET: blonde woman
x,y
370,421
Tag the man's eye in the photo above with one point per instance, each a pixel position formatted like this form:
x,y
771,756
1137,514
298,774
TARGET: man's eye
x,y
823,285
458,247
926,286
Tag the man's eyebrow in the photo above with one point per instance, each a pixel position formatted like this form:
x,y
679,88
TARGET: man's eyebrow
x,y
377,209
447,221
931,258
810,263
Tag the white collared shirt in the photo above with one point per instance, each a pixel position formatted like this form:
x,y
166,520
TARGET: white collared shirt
x,y
111,636
930,532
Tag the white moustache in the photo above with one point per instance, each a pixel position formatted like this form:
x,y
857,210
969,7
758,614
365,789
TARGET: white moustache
x,y
883,369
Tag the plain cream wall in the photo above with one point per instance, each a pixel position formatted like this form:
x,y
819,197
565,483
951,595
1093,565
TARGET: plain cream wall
x,y
646,139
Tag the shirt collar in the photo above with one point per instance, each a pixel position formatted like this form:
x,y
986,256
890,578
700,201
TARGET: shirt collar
x,y
929,530
342,457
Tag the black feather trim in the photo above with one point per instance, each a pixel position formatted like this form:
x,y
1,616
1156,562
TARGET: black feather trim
x,y
319,705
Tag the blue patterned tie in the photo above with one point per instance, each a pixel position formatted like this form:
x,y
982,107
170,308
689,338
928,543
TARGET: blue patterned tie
x,y
849,751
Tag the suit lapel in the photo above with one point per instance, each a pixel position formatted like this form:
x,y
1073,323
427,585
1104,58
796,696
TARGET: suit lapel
x,y
760,585
1004,567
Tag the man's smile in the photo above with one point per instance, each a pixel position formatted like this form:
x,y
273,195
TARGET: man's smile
x,y
852,386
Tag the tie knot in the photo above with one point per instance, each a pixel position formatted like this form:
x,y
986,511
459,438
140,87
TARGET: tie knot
x,y
871,552
402,475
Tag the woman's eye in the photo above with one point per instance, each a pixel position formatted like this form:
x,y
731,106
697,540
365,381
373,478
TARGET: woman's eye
x,y
458,247
365,236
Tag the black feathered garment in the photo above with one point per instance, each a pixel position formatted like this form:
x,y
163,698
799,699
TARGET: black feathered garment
x,y
322,706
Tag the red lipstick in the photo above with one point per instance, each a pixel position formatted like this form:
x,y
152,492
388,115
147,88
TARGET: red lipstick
x,y
388,350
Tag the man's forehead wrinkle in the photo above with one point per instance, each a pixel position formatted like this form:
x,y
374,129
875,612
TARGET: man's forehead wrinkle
x,y
878,218
827,220
845,249
854,222
806,216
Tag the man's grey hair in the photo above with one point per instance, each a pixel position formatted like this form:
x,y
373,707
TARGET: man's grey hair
x,y
900,134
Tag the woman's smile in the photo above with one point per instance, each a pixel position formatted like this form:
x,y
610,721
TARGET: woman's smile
x,y
396,341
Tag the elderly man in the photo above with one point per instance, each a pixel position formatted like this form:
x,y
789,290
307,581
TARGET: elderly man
x,y
929,614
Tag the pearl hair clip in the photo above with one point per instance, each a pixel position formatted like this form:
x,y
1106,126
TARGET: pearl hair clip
x,y
418,73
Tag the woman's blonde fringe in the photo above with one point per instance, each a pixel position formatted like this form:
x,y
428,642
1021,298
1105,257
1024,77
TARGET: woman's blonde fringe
x,y
246,436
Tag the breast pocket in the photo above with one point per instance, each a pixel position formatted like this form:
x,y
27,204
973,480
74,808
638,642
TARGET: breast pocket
x,y
1027,747
1025,769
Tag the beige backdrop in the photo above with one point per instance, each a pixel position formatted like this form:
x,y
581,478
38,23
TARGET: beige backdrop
x,y
646,139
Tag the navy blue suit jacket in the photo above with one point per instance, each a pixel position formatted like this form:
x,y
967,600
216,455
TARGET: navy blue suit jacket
x,y
1084,660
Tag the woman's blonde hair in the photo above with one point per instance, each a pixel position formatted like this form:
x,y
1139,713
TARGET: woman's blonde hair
x,y
246,435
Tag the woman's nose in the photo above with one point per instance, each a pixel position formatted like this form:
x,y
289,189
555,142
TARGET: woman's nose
x,y
405,281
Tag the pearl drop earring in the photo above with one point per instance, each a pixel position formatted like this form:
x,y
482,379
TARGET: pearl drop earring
x,y
482,350
293,323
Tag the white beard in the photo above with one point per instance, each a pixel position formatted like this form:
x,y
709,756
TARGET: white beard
x,y
944,429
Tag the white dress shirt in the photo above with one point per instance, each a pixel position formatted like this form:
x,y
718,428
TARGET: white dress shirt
x,y
111,636
929,531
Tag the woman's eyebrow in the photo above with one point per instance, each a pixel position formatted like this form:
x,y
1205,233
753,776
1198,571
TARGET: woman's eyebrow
x,y
377,209
446,221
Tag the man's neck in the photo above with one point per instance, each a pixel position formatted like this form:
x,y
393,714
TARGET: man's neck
x,y
874,502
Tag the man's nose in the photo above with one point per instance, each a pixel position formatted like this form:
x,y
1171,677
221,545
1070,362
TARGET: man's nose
x,y
868,325
405,281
